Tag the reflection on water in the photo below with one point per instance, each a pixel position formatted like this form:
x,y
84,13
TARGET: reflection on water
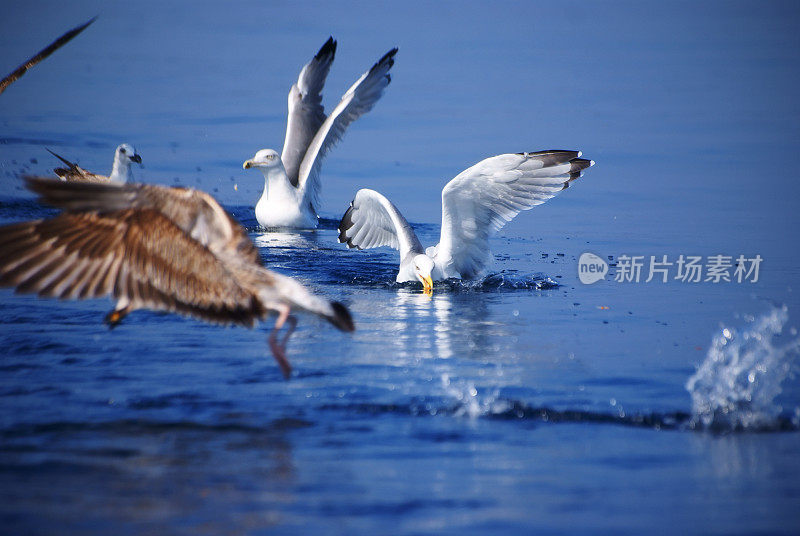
x,y
733,456
448,325
286,240
153,472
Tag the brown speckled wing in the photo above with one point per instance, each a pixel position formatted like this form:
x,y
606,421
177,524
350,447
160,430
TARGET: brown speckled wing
x,y
137,255
193,211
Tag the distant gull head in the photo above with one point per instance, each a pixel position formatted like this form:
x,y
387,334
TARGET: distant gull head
x,y
121,171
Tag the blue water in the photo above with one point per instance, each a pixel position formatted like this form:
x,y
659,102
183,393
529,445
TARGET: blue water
x,y
524,403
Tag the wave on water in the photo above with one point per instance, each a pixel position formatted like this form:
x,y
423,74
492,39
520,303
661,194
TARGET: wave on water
x,y
734,390
504,280
736,387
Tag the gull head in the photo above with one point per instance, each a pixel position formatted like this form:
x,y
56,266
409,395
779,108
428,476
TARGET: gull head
x,y
423,266
265,159
126,154
121,170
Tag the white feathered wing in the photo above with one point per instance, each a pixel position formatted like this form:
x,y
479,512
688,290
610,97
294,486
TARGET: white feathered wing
x,y
481,199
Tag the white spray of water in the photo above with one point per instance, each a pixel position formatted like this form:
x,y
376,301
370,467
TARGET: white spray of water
x,y
736,386
469,402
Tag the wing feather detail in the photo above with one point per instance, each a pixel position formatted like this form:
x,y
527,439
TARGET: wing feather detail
x,y
134,255
358,100
373,221
306,113
482,199
195,212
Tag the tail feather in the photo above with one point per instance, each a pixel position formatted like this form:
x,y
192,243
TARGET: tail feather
x,y
341,317
303,298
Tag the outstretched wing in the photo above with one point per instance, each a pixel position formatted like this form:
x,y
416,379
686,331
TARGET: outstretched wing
x,y
138,256
481,199
357,101
194,212
306,113
74,173
373,221
42,54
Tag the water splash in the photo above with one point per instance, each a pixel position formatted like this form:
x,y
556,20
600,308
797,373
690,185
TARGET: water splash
x,y
500,281
510,280
736,386
469,402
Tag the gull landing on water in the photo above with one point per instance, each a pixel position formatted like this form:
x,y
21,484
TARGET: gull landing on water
x,y
291,179
120,171
477,202
153,247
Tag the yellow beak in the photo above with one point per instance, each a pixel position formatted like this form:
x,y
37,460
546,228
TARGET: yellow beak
x,y
427,285
248,164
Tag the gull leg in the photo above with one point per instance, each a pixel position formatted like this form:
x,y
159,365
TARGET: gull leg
x,y
292,320
115,317
279,350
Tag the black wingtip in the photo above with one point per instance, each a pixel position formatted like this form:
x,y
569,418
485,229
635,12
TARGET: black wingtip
x,y
386,60
342,318
73,32
67,162
344,225
389,56
328,49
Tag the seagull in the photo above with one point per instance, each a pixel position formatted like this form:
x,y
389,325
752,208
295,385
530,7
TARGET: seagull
x,y
42,54
477,202
153,247
291,179
120,171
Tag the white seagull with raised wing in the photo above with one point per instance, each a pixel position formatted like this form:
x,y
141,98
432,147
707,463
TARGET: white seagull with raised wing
x,y
291,179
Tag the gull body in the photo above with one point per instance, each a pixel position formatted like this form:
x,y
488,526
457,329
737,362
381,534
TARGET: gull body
x,y
281,204
121,172
291,179
153,247
476,203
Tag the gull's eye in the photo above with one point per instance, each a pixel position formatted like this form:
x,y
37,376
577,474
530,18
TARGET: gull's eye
x,y
122,150
270,157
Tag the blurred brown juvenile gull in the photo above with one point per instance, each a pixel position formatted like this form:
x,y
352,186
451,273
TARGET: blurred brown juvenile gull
x,y
477,202
153,247
120,170
52,47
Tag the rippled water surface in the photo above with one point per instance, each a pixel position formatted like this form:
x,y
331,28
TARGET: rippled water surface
x,y
523,403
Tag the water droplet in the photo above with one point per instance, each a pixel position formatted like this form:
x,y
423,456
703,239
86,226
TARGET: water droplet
x,y
726,333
